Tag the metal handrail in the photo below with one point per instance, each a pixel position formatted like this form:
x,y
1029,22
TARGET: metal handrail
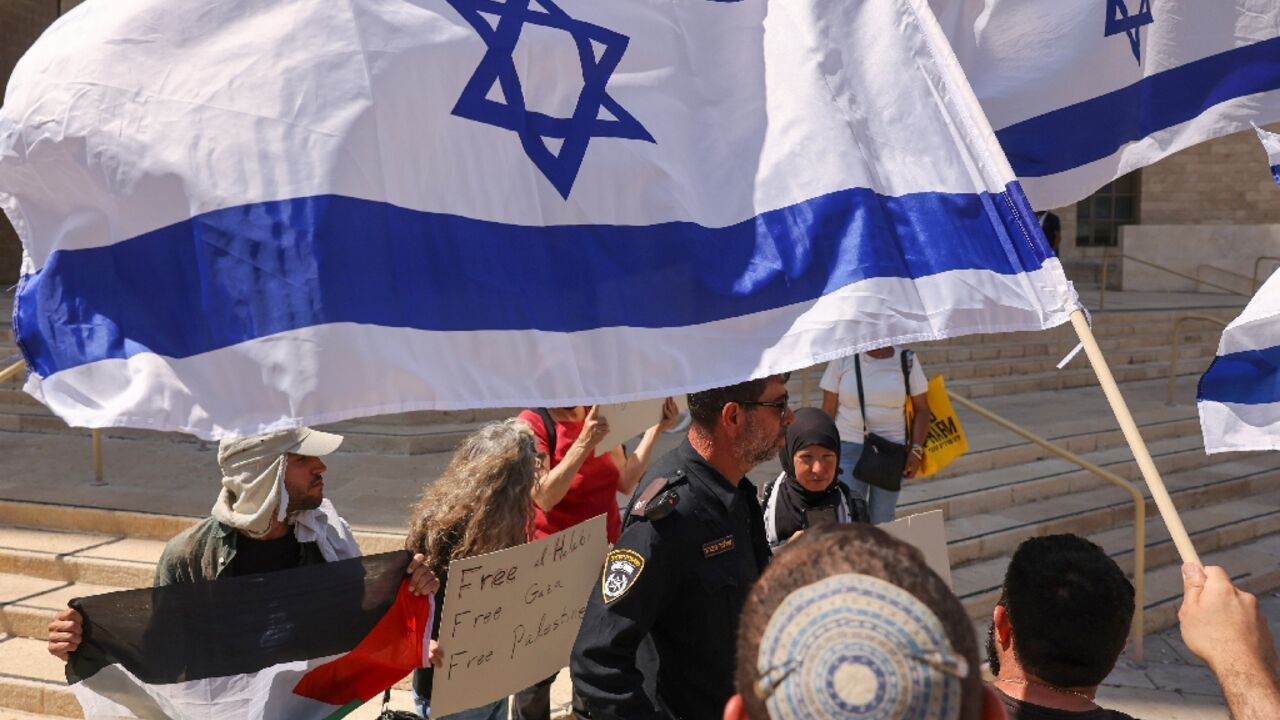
x,y
1175,341
1139,510
1224,271
12,371
1253,283
1102,296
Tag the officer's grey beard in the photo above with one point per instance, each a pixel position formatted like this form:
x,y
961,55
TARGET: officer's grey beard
x,y
757,448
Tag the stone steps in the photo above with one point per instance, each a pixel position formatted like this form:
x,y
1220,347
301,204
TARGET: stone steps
x,y
954,371
1070,377
1223,514
980,458
1014,485
1211,528
948,351
985,535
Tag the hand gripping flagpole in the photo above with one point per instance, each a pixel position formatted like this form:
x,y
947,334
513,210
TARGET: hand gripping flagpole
x,y
1159,493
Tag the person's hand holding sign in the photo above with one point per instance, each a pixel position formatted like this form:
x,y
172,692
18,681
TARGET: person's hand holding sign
x,y
594,429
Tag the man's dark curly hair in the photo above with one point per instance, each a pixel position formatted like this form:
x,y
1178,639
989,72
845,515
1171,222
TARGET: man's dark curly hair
x,y
704,407
1070,607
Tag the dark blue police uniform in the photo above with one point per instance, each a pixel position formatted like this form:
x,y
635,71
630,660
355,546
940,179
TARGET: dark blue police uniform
x,y
678,576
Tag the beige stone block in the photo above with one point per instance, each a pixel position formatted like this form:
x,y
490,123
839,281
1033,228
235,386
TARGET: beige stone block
x,y
22,587
29,659
135,549
25,622
46,541
22,695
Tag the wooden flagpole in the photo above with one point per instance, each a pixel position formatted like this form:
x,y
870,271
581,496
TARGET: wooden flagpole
x,y
1159,493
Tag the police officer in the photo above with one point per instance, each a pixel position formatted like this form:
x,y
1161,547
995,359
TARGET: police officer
x,y
691,547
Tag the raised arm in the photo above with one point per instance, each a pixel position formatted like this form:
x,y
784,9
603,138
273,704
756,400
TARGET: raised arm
x,y
1224,627
919,431
634,467
553,486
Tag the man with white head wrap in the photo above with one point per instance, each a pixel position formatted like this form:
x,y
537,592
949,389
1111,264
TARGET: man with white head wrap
x,y
270,515
848,622
272,484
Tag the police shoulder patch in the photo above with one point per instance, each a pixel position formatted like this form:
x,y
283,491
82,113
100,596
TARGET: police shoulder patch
x,y
621,570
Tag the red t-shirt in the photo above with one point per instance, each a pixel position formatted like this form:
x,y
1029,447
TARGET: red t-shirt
x,y
592,491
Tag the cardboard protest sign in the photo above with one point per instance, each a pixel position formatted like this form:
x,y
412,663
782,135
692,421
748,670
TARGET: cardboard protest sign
x,y
629,419
510,617
925,531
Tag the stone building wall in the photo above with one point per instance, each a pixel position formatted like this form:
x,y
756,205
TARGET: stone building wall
x,y
1223,182
21,22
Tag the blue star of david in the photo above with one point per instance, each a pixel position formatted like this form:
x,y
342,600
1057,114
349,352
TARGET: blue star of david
x,y
599,51
1120,21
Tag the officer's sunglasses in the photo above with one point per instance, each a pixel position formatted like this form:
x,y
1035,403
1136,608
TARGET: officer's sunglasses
x,y
781,404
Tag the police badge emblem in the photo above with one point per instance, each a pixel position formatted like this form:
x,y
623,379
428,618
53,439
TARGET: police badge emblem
x,y
621,568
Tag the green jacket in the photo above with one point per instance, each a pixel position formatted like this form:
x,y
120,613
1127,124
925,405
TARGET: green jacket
x,y
205,551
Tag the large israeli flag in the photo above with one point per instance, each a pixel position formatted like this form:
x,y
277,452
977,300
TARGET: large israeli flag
x,y
1239,395
1083,91
253,214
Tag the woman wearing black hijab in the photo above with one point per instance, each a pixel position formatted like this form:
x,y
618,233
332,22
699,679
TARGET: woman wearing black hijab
x,y
806,493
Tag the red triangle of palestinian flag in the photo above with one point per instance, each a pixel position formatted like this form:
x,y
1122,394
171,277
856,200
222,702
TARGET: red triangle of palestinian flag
x,y
311,642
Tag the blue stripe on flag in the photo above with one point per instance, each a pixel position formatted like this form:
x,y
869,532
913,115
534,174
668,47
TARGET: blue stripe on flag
x,y
1093,129
1275,173
247,272
1249,377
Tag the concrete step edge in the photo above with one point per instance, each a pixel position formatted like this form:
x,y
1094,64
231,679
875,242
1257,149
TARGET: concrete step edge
x,y
1084,522
39,697
1159,553
1043,487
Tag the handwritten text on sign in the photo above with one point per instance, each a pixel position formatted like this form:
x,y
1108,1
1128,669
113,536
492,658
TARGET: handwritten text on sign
x,y
510,617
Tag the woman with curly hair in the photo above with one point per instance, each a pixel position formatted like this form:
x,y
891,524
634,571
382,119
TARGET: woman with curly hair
x,y
482,503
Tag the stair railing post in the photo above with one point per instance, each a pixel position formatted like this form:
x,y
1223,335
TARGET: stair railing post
x,y
1102,292
98,475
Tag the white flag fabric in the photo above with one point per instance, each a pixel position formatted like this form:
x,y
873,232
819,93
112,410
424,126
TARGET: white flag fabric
x,y
1271,144
1083,91
1239,395
256,214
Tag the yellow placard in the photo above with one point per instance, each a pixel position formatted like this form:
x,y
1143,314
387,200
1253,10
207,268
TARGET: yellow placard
x,y
946,440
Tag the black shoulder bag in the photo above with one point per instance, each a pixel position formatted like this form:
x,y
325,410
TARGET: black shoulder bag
x,y
882,461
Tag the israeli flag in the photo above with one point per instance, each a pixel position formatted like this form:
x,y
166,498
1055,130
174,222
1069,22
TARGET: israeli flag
x,y
1239,395
1083,91
254,214
1271,143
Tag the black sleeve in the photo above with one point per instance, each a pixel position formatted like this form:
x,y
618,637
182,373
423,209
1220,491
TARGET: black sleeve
x,y
605,672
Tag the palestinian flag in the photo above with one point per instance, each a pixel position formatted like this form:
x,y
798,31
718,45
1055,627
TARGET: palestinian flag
x,y
311,642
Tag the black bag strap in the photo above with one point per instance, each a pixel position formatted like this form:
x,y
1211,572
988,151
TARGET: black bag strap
x,y
386,699
549,426
907,357
906,370
862,400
